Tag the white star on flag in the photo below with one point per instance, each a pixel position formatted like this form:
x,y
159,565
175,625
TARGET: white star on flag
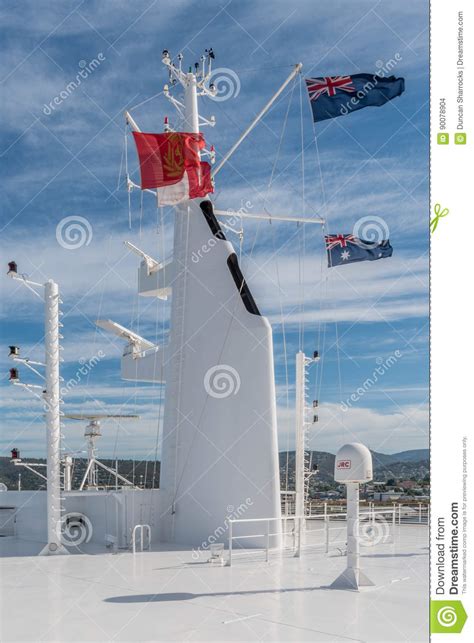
x,y
345,255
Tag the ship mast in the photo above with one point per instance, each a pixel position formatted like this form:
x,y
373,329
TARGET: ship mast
x,y
52,401
219,444
174,410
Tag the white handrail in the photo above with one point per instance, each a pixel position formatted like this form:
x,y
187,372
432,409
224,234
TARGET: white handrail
x,y
141,528
254,519
395,511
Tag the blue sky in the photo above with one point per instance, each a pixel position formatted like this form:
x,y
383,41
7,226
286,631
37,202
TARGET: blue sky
x,y
66,162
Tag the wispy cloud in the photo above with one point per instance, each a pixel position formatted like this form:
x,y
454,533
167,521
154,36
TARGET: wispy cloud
x,y
68,163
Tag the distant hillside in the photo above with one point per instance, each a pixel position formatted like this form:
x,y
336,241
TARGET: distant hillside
x,y
403,465
411,456
142,473
415,455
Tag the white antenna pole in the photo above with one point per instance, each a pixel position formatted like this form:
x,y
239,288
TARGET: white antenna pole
x,y
353,465
303,470
300,429
191,124
353,547
191,113
53,420
91,455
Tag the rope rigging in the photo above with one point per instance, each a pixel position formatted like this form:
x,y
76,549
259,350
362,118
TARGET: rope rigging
x,y
282,317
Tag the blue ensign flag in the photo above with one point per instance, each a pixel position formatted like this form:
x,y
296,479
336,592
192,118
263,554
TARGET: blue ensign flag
x,y
340,95
345,248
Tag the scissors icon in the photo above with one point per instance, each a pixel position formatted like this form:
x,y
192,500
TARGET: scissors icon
x,y
439,214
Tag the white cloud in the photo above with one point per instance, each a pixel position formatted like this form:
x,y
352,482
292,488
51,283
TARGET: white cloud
x,y
391,289
100,279
404,427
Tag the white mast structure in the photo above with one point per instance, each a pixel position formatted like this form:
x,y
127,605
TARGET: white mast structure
x,y
53,418
219,432
92,433
303,465
52,401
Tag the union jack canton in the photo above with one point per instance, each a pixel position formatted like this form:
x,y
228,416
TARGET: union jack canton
x,y
332,96
329,85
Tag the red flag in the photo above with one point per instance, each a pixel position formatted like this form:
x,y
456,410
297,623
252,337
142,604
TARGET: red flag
x,y
195,183
200,182
165,157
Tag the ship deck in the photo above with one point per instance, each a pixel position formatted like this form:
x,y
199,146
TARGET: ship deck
x,y
167,594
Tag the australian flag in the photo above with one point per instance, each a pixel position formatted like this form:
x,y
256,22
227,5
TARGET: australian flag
x,y
345,248
340,95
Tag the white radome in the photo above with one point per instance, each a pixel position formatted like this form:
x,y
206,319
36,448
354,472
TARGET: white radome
x,y
353,463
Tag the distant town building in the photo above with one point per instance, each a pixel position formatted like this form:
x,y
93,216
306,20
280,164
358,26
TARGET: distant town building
x,y
386,496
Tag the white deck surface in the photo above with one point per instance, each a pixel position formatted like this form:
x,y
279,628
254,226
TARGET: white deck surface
x,y
167,595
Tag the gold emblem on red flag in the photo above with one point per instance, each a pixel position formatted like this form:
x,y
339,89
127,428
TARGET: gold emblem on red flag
x,y
173,157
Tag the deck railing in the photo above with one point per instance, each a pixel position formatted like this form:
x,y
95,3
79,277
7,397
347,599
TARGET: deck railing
x,y
376,524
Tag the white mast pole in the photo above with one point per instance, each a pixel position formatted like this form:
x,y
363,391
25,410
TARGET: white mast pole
x,y
191,113
302,458
181,232
353,547
91,455
53,420
300,428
